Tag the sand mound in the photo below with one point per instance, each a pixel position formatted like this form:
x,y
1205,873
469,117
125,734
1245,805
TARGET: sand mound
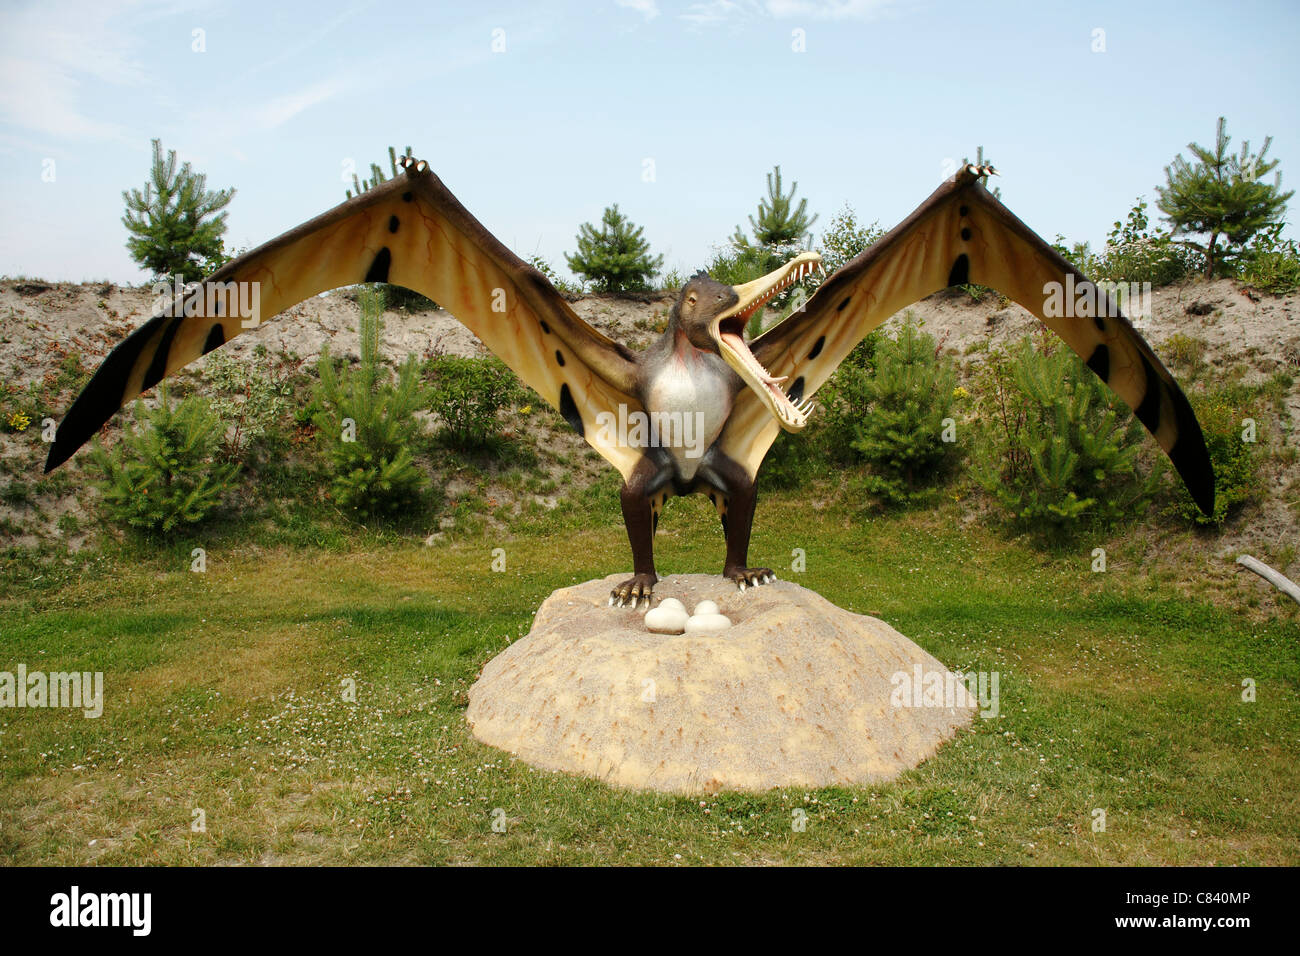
x,y
796,693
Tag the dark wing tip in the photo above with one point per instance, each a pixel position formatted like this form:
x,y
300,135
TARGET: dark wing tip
x,y
57,456
1199,480
83,420
1190,457
100,399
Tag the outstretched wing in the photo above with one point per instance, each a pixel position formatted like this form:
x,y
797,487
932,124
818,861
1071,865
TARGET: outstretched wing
x,y
962,234
410,231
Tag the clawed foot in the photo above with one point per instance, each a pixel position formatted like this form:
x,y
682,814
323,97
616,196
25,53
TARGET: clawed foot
x,y
634,590
749,577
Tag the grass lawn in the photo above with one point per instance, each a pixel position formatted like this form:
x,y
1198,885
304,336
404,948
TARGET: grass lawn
x,y
224,692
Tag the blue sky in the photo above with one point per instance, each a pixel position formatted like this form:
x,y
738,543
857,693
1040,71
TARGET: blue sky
x,y
540,137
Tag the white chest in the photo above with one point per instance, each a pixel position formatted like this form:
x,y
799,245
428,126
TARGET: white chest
x,y
688,402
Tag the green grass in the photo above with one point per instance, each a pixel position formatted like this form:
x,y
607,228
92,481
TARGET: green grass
x,y
224,691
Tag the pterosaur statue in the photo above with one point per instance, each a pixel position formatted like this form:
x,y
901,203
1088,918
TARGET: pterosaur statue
x,y
714,402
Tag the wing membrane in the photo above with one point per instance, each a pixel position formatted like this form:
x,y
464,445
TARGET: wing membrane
x,y
962,234
410,231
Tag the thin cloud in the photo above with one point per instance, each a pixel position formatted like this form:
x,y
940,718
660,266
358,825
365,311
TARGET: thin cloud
x,y
828,9
284,108
312,38
647,8
51,51
717,11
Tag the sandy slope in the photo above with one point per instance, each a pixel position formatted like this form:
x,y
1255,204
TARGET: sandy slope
x,y
1239,325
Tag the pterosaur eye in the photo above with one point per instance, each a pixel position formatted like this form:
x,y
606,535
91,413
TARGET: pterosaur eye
x,y
690,299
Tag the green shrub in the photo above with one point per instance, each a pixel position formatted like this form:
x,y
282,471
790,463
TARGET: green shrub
x,y
563,286
793,459
616,257
1134,253
842,241
367,422
248,400
738,266
1185,354
398,298
845,239
401,299
176,222
1236,461
894,419
1222,196
468,394
1058,449
163,473
842,398
1078,255
671,281
1272,264
779,223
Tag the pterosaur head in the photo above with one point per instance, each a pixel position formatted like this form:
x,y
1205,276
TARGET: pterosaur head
x,y
714,316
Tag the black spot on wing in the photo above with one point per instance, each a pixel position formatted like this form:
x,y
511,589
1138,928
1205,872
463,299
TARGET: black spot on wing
x,y
796,390
724,524
216,338
378,271
1148,412
1099,362
408,196
843,305
965,234
959,274
158,366
393,223
817,348
546,329
569,409
559,357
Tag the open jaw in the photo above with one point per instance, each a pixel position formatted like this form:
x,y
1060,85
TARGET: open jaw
x,y
729,330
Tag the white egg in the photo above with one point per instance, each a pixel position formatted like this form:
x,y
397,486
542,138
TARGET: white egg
x,y
665,620
706,607
702,623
